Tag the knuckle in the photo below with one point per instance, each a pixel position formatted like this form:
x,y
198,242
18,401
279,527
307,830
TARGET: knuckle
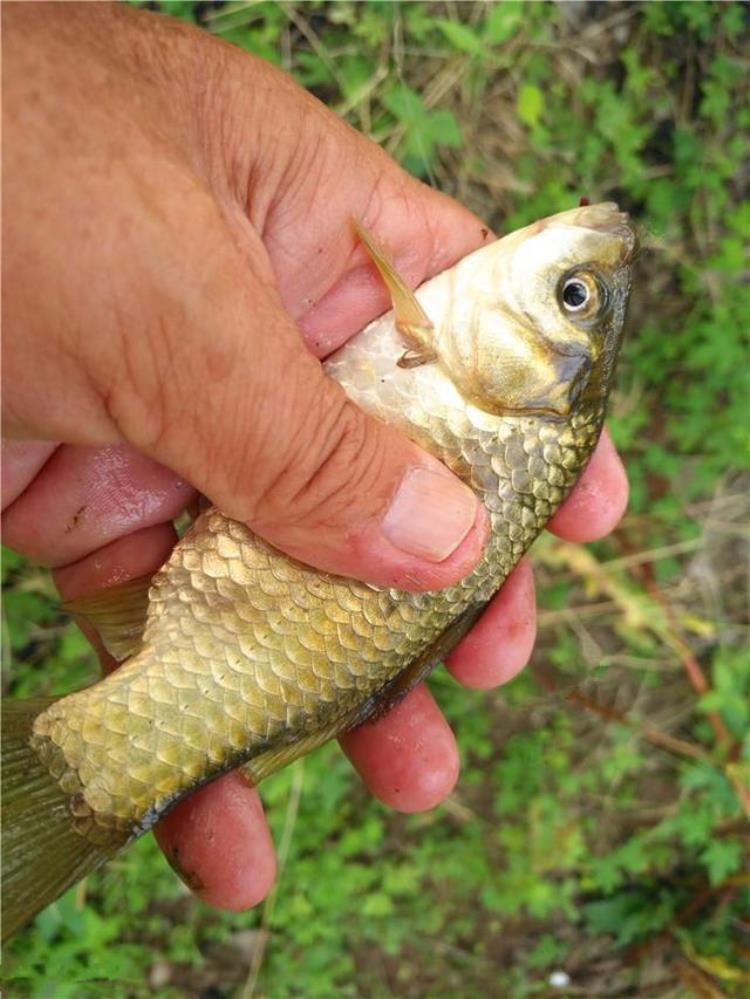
x,y
330,470
134,395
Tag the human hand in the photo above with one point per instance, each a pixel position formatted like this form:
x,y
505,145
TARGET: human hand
x,y
177,213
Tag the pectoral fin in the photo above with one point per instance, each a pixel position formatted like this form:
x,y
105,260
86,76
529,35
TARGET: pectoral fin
x,y
118,613
412,321
414,358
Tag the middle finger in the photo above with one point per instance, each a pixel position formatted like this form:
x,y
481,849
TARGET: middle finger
x,y
85,497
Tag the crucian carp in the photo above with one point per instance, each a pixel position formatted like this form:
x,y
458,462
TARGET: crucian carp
x,y
235,655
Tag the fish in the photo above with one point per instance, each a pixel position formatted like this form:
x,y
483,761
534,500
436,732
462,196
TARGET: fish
x,y
234,654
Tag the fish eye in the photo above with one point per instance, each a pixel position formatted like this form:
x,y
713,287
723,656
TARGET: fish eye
x,y
582,295
575,294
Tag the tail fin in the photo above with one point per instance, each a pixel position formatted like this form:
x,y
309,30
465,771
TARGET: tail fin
x,y
42,854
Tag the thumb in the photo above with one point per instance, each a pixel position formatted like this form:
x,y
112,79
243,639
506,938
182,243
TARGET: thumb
x,y
254,423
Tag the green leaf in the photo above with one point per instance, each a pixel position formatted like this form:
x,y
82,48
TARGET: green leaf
x,y
459,35
502,21
530,104
377,904
404,103
445,128
721,858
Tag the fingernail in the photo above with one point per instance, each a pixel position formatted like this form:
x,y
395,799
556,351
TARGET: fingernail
x,y
430,515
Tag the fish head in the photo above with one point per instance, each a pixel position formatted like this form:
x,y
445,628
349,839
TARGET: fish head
x,y
542,322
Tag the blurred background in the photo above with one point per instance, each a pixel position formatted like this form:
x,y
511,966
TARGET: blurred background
x,y
598,841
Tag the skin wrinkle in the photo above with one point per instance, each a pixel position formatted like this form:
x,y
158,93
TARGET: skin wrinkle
x,y
128,507
226,364
263,171
257,266
361,283
136,414
21,472
413,273
317,296
433,258
311,481
265,438
346,443
168,371
298,210
160,65
141,376
272,158
212,113
306,171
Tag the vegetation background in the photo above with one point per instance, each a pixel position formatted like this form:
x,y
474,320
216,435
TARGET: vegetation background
x,y
598,842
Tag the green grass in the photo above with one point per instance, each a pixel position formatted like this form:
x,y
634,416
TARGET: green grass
x,y
598,827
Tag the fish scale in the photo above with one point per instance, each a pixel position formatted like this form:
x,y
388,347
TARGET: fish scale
x,y
232,689
249,657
